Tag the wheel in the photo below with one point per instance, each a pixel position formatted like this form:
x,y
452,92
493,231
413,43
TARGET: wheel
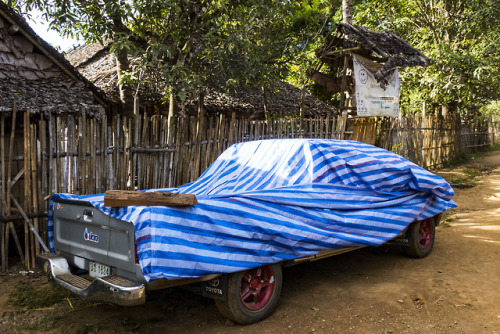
x,y
422,234
252,295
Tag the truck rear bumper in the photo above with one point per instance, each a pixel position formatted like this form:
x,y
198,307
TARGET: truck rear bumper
x,y
112,289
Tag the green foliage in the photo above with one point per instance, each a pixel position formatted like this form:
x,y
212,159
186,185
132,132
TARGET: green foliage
x,y
459,37
191,44
27,296
226,43
492,110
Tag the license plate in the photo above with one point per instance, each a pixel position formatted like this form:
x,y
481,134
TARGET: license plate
x,y
98,270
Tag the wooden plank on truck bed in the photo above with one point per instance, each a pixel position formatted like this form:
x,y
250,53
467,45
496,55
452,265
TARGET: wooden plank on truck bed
x,y
121,198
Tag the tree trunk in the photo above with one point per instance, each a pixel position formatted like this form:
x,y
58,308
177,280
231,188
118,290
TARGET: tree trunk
x,y
344,93
444,110
347,11
126,95
171,103
264,97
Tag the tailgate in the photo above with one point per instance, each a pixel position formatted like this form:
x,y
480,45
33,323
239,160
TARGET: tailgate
x,y
86,232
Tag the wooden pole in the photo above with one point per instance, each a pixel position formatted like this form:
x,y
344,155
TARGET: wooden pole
x,y
42,172
35,190
104,156
52,170
27,184
65,129
93,164
82,149
3,192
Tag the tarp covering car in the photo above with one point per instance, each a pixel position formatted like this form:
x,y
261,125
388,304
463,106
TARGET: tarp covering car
x,y
264,202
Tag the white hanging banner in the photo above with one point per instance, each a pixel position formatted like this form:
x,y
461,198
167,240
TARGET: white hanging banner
x,y
371,98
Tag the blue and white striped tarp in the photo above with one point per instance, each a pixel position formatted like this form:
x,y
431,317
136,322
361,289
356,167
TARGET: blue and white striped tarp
x,y
264,202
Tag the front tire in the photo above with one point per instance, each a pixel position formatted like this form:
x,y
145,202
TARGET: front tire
x,y
422,234
252,295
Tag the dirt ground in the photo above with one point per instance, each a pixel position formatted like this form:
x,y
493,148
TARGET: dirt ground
x,y
454,290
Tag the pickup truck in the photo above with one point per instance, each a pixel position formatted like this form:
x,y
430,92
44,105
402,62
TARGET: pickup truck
x,y
235,242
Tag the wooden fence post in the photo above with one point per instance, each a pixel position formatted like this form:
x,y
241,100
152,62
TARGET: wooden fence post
x,y
3,192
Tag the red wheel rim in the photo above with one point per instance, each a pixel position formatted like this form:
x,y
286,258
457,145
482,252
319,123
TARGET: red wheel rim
x,y
257,287
425,233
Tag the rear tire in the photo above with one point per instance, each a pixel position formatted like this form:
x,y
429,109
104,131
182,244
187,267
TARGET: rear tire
x,y
252,295
422,234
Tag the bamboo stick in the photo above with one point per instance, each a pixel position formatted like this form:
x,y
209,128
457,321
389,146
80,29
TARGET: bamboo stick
x,y
129,162
3,193
178,149
109,157
42,157
155,144
92,148
104,156
52,170
135,156
27,184
143,171
199,137
166,155
83,149
208,154
139,156
35,248
43,181
126,150
67,144
99,159
116,155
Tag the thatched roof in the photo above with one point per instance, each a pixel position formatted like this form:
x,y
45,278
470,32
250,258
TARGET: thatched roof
x,y
98,64
36,76
385,48
284,100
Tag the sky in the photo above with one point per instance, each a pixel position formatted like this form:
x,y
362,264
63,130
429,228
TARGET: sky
x,y
40,26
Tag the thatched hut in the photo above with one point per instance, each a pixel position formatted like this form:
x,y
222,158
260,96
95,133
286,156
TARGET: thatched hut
x,y
36,76
98,64
36,82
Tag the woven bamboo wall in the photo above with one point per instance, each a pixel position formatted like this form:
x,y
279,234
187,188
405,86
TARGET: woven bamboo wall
x,y
67,152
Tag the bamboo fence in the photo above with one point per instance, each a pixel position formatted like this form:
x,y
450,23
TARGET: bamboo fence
x,y
83,154
427,141
432,142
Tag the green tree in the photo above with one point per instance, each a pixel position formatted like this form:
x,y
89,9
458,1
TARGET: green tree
x,y
189,44
460,37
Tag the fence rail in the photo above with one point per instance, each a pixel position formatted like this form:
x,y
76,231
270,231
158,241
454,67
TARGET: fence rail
x,y
76,153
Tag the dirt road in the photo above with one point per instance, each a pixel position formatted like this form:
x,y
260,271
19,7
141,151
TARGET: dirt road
x,y
455,290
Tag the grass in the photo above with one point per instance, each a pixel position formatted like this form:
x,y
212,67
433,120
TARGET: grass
x,y
465,156
470,173
465,178
450,218
26,296
462,182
